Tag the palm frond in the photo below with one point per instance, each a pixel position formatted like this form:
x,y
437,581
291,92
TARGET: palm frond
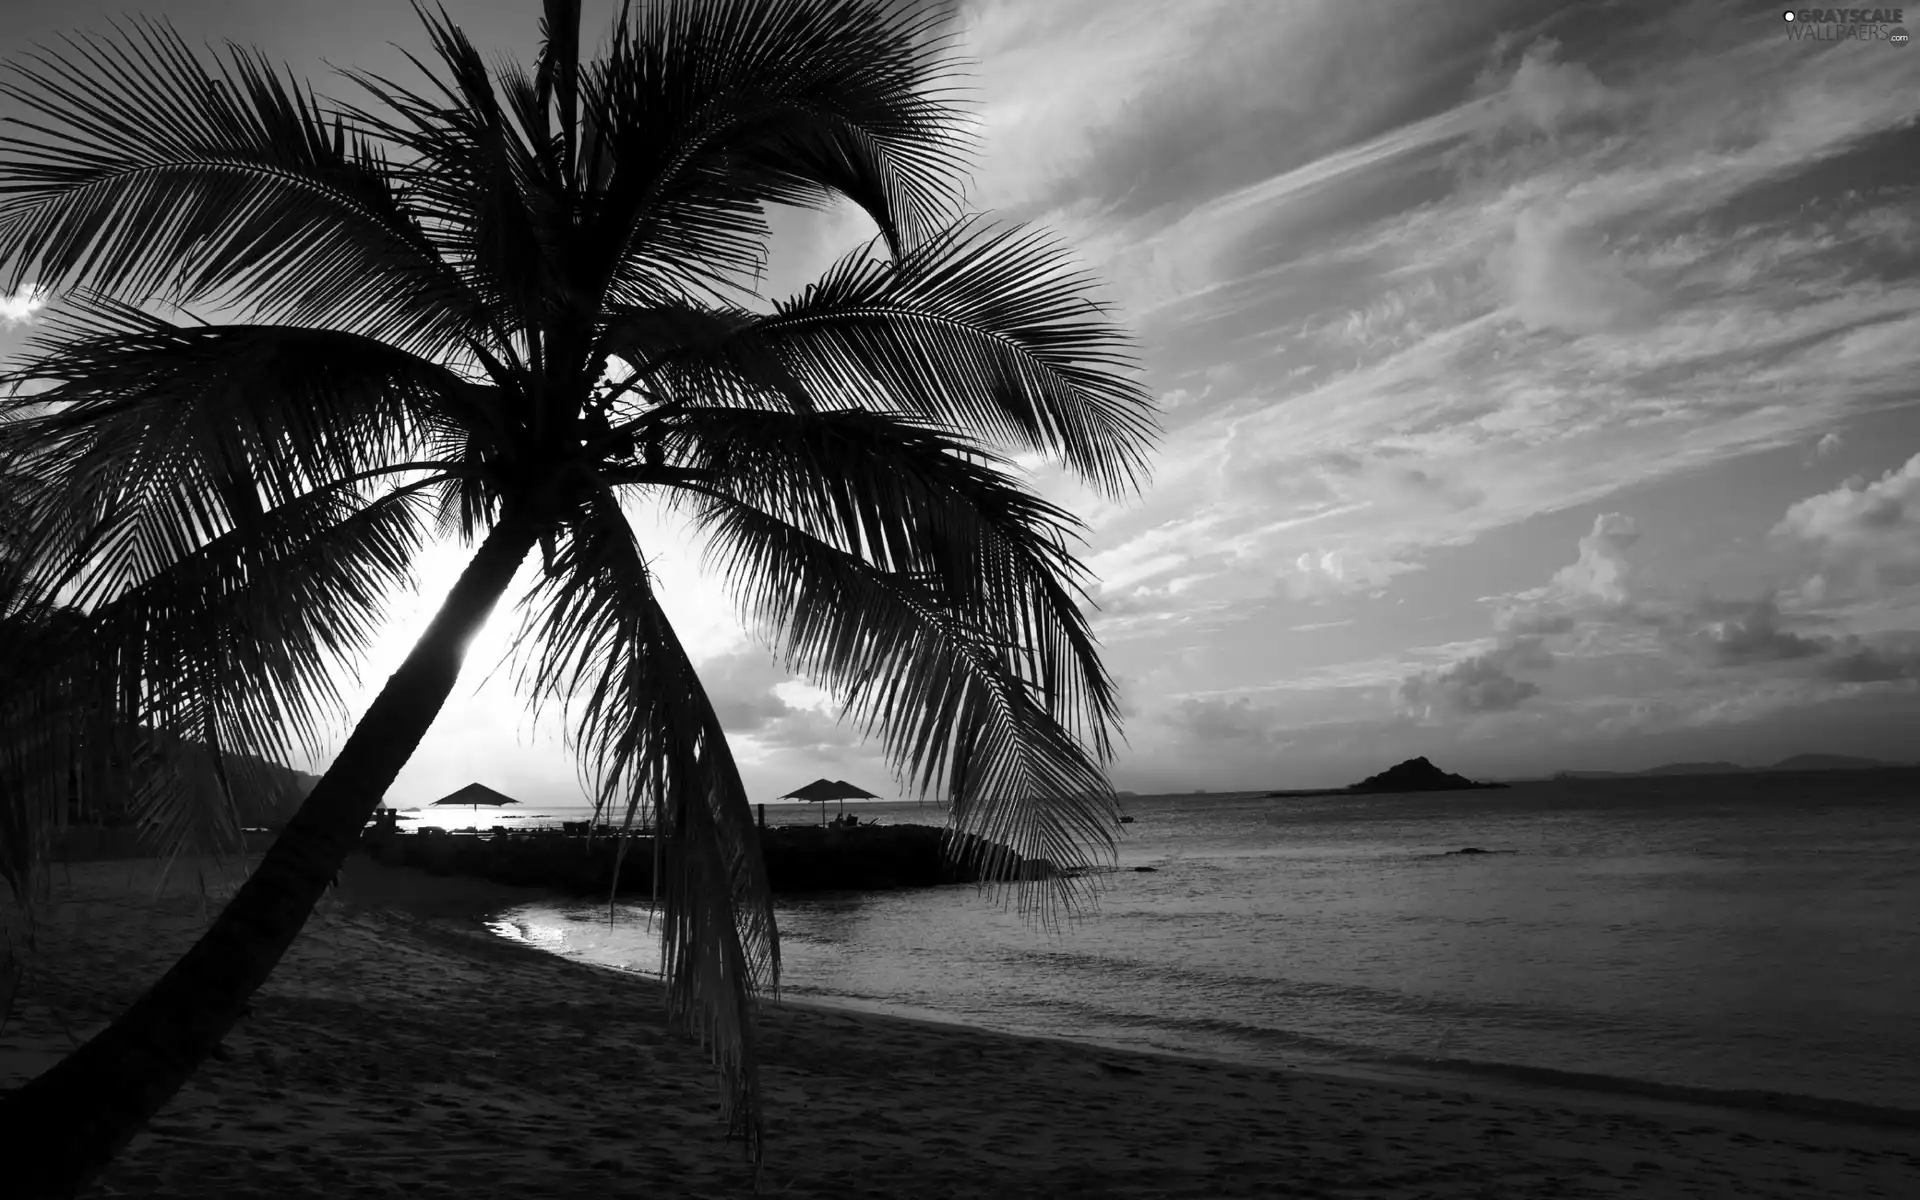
x,y
36,713
151,439
474,175
984,330
706,111
921,502
44,737
939,691
136,711
141,170
186,796
697,351
597,640
168,700
170,704
197,494
262,624
893,565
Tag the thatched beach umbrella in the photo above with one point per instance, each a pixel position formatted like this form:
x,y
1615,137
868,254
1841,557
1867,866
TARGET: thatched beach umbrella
x,y
822,790
475,795
850,792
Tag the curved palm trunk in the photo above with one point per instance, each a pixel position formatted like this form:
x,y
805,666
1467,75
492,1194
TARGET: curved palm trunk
x,y
60,1130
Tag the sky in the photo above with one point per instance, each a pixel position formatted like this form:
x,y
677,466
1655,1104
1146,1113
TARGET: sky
x,y
1539,384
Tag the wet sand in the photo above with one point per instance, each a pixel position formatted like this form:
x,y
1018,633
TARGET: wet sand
x,y
402,1051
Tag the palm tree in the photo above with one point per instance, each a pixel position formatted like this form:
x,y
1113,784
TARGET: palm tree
x,y
293,338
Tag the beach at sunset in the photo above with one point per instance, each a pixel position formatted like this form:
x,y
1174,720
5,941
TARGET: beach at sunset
x,y
402,1050
958,598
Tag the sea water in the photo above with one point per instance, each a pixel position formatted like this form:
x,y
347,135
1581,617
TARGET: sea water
x,y
1736,933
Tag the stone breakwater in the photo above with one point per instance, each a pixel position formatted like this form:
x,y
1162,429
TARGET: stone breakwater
x,y
798,858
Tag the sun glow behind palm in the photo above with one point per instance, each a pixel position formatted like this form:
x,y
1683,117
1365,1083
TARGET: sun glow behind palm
x,y
294,342
485,721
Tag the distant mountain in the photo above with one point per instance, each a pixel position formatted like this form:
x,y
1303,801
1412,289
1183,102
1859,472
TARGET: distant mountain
x,y
1417,775
1686,768
1830,762
266,794
1696,768
1799,762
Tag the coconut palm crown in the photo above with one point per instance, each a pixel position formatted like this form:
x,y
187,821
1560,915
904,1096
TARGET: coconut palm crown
x,y
291,340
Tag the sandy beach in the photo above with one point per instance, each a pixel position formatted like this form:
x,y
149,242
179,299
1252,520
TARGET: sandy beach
x,y
401,1050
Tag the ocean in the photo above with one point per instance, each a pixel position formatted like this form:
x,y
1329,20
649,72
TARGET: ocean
x,y
1734,934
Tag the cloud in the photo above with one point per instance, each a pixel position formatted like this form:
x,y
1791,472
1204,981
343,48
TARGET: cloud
x,y
1138,110
1178,398
19,308
1216,720
1523,622
1865,533
1320,574
1560,276
1294,336
1481,683
1857,661
1828,446
763,707
1738,633
1600,572
1548,94
1596,591
804,242
1623,717
742,685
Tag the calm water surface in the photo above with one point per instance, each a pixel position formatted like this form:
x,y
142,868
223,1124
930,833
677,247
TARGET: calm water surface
x,y
1732,933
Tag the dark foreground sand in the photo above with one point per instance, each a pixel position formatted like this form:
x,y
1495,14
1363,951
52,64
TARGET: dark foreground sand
x,y
399,1051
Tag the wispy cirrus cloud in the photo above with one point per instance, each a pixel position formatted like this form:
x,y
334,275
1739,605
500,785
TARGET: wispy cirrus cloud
x,y
1597,277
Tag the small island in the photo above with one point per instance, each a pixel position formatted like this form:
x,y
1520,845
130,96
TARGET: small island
x,y
1417,775
1413,775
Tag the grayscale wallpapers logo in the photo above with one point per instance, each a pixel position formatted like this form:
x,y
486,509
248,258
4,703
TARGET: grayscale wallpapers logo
x,y
1847,25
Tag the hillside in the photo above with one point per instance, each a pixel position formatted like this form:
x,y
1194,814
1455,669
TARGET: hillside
x,y
267,794
1830,762
1797,762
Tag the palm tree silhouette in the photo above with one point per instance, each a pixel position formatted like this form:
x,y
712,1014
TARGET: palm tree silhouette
x,y
292,338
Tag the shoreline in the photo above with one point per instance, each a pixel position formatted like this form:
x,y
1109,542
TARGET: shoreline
x,y
1484,1076
1512,1080
468,903
1507,1080
402,1048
